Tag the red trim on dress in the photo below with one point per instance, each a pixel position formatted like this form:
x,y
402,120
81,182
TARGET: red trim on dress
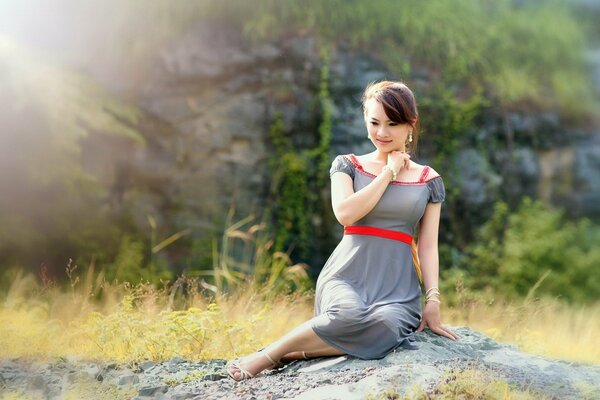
x,y
424,174
354,161
373,231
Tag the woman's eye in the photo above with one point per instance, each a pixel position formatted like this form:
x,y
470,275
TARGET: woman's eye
x,y
391,124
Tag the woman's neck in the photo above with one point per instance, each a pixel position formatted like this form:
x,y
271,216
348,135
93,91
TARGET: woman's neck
x,y
380,156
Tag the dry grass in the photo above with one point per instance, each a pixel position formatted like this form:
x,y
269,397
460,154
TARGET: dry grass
x,y
136,323
543,326
467,384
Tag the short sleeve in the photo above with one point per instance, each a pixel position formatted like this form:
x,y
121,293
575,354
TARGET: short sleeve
x,y
437,191
341,163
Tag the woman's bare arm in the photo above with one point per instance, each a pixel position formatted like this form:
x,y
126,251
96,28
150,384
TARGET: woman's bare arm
x,y
428,255
350,206
428,244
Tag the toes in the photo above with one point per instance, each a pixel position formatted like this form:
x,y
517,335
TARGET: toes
x,y
234,370
237,374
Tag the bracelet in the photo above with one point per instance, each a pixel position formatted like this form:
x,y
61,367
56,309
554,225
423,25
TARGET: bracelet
x,y
394,174
432,294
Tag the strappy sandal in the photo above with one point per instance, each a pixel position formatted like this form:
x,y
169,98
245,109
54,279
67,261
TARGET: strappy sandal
x,y
245,374
286,363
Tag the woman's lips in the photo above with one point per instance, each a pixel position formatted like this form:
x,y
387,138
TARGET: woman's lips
x,y
384,142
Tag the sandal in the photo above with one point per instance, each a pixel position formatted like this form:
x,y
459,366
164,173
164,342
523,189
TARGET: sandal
x,y
285,363
245,374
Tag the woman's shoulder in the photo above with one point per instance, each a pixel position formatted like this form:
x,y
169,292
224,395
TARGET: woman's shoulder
x,y
424,171
429,172
342,163
435,183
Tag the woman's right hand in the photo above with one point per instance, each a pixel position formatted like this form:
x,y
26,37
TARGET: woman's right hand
x,y
397,160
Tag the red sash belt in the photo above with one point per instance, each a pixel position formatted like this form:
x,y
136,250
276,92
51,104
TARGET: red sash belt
x,y
385,233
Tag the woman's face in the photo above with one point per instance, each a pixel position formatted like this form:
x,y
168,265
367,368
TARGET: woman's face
x,y
383,133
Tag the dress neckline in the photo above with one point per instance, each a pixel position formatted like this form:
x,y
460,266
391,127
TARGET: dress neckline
x,y
354,160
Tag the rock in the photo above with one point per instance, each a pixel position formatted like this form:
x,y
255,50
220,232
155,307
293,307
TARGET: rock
x,y
479,184
342,377
38,383
151,390
147,365
176,360
210,99
94,372
128,379
214,377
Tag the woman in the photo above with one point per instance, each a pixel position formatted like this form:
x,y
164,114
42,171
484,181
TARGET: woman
x,y
368,295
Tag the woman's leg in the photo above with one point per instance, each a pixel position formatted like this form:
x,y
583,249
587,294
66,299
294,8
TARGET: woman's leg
x,y
299,355
301,338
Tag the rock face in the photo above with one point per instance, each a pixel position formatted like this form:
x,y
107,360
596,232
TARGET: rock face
x,y
211,98
341,377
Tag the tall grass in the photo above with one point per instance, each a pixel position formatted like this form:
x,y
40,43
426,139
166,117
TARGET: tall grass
x,y
253,296
246,257
230,314
541,325
462,383
133,323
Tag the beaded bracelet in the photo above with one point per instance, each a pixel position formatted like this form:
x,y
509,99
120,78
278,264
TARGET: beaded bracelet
x,y
394,174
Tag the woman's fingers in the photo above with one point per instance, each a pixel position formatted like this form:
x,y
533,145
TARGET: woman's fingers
x,y
442,331
455,335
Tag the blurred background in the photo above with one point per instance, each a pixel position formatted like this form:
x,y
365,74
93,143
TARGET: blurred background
x,y
156,139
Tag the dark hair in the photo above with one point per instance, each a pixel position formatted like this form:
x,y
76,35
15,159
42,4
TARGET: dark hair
x,y
399,105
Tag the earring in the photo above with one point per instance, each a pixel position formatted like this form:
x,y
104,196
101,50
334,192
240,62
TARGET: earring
x,y
410,137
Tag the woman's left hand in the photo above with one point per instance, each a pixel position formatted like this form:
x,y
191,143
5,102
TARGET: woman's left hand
x,y
431,318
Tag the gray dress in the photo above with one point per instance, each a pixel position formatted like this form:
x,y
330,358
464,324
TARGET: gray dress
x,y
368,294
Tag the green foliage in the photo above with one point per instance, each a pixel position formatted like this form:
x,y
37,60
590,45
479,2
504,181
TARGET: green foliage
x,y
131,265
298,176
536,249
289,192
488,251
514,51
292,223
535,62
248,256
500,54
448,118
321,153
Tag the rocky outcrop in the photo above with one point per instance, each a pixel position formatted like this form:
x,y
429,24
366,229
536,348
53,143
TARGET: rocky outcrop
x,y
212,96
341,377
